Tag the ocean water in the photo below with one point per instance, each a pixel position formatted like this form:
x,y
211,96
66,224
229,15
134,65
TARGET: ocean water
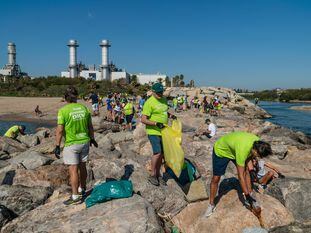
x,y
290,118
30,126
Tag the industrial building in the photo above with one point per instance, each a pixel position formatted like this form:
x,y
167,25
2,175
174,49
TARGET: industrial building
x,y
104,72
12,69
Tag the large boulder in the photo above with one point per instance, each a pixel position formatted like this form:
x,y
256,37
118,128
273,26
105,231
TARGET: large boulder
x,y
295,195
29,140
123,215
21,199
11,146
231,215
46,176
31,159
46,146
293,228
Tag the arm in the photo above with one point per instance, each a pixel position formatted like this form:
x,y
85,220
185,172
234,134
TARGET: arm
x,y
59,134
271,167
146,121
91,130
241,175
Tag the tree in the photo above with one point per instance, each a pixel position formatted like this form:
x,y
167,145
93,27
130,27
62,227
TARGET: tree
x,y
134,79
167,81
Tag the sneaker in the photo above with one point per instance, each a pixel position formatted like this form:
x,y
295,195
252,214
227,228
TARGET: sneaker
x,y
71,201
210,210
153,180
82,194
162,181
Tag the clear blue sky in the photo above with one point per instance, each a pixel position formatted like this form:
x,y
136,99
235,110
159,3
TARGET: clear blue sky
x,y
234,43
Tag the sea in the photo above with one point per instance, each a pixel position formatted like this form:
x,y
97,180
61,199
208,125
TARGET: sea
x,y
30,126
283,115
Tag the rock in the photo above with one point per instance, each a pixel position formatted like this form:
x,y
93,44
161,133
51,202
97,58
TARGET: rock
x,y
100,124
6,215
46,176
238,108
231,215
47,146
7,174
29,140
123,215
31,159
279,150
120,137
43,133
21,199
3,163
196,191
254,230
293,228
10,145
294,194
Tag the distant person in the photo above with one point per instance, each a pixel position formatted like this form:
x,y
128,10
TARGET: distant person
x,y
15,130
128,110
208,130
94,100
155,116
256,101
109,102
37,111
75,124
175,104
141,104
240,148
260,175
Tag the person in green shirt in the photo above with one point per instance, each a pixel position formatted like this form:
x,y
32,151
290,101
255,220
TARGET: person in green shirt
x,y
155,115
15,130
128,111
240,148
175,103
75,124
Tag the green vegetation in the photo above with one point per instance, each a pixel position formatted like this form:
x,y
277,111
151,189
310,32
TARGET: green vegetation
x,y
55,86
303,94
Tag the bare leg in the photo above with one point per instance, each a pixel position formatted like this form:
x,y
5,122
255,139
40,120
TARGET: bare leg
x,y
155,164
83,175
213,189
264,180
74,178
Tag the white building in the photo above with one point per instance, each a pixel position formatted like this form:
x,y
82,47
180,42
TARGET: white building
x,y
120,75
151,78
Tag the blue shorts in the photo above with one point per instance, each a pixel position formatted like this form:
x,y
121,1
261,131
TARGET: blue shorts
x,y
220,164
156,144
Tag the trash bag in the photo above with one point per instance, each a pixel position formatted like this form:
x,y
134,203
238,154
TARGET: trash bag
x,y
173,152
108,191
188,174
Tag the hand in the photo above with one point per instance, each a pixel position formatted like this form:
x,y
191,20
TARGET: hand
x,y
57,152
93,142
160,125
280,175
251,200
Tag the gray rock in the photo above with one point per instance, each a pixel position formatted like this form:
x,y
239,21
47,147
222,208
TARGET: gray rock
x,y
120,137
10,145
31,159
293,228
294,194
6,215
29,140
21,199
254,230
279,150
123,215
43,133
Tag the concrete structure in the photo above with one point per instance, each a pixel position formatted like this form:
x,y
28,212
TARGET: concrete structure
x,y
73,67
151,78
105,60
120,75
11,68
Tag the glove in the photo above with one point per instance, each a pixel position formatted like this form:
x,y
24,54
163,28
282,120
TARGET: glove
x,y
281,175
253,175
160,125
174,117
93,142
251,200
57,152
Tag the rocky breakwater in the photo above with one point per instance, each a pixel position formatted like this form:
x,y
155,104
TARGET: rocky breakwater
x,y
34,183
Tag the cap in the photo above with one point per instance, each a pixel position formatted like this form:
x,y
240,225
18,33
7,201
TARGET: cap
x,y
157,88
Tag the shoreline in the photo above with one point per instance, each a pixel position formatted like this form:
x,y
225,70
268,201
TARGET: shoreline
x,y
29,119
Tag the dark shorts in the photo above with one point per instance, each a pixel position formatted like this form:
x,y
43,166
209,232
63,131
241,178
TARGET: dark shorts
x,y
156,143
220,164
129,118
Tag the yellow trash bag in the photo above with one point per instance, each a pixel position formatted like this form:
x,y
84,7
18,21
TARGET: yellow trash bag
x,y
173,152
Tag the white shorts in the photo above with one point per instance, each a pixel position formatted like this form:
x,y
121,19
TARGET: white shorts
x,y
95,107
75,154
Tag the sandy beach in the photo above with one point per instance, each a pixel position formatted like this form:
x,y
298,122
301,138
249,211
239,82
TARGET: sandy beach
x,y
22,108
302,108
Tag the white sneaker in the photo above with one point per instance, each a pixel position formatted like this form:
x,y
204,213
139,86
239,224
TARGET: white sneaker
x,y
209,211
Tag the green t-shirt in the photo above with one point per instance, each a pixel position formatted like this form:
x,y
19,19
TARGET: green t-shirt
x,y
12,132
75,118
175,102
156,110
236,146
128,109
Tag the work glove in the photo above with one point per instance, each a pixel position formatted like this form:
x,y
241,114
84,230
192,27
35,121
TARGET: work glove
x,y
57,152
253,175
93,142
280,175
160,125
251,200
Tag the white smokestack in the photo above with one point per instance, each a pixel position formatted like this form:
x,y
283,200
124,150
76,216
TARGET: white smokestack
x,y
11,54
73,67
105,60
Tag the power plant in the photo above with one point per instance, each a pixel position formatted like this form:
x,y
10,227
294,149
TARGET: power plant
x,y
12,69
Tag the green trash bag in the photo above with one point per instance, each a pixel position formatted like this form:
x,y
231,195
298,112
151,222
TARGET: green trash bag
x,y
108,191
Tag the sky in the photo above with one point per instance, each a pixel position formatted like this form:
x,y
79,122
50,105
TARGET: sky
x,y
249,44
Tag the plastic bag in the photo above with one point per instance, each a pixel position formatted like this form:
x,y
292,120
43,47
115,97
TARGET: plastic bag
x,y
173,152
110,190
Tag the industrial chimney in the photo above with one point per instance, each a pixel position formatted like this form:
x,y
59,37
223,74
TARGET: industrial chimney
x,y
105,62
11,54
73,67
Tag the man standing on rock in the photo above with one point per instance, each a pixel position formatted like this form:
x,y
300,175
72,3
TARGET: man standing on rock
x,y
75,123
240,148
155,116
